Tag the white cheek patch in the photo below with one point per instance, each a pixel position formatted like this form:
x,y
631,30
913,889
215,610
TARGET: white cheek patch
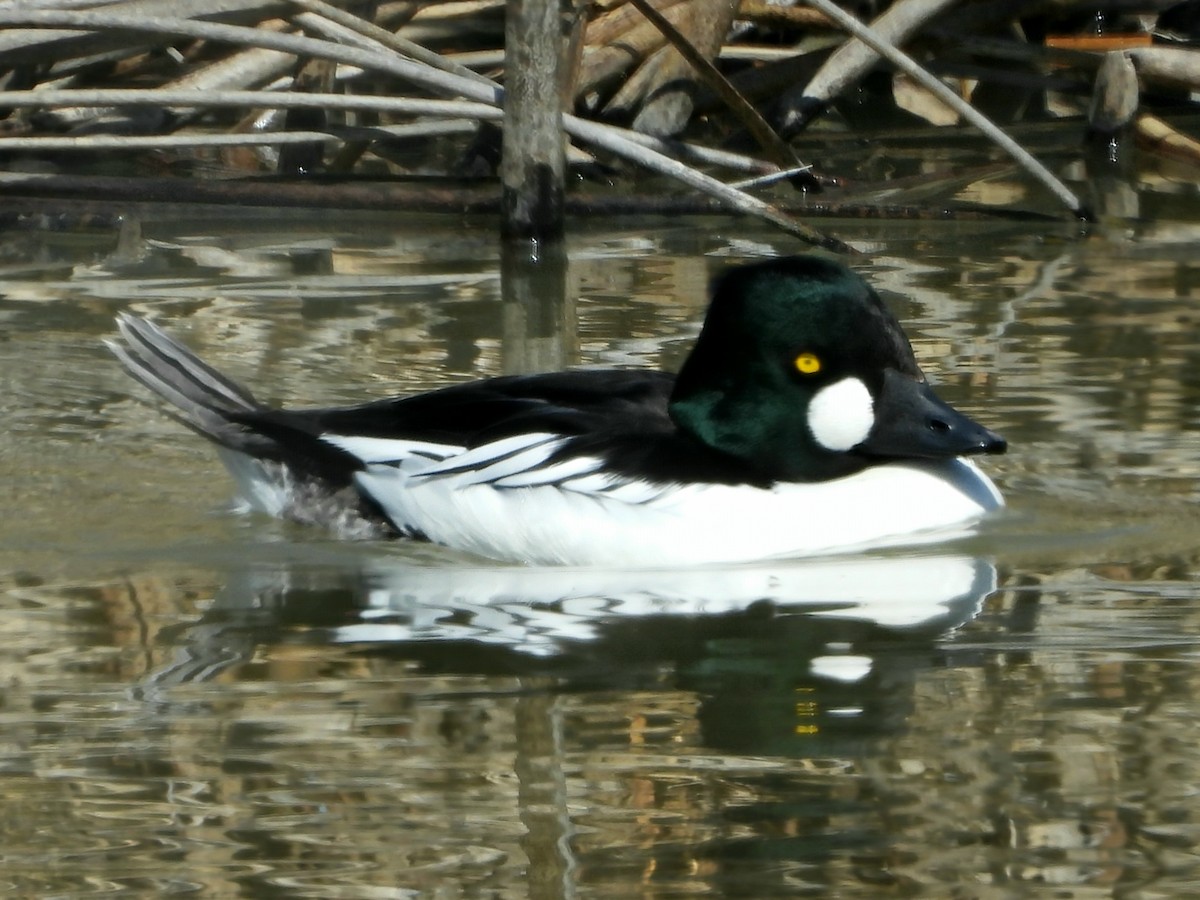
x,y
841,415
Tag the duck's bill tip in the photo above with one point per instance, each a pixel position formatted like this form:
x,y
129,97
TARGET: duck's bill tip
x,y
996,445
990,444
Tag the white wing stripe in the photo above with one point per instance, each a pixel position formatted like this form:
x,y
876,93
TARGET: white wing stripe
x,y
594,483
524,462
636,491
489,454
551,474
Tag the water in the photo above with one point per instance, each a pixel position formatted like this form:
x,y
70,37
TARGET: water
x,y
194,701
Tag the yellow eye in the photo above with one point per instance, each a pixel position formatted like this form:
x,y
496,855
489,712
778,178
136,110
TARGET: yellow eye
x,y
808,363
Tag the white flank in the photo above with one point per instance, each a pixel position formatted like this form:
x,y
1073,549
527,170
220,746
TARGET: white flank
x,y
635,523
841,415
506,501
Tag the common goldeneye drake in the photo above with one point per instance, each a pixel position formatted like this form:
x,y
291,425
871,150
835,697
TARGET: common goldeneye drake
x,y
800,424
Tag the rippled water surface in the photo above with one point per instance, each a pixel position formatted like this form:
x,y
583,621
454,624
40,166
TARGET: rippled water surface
x,y
198,701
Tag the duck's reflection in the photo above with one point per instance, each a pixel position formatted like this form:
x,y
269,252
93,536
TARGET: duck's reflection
x,y
781,654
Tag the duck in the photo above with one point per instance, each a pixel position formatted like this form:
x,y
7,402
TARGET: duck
x,y
800,424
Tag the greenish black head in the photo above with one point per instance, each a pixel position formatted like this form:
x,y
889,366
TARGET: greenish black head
x,y
803,373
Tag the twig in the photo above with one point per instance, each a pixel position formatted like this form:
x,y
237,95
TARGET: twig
x,y
1154,134
1168,65
764,13
618,22
163,141
188,99
772,177
386,38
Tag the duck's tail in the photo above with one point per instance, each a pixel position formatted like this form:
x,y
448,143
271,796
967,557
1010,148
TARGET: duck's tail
x,y
202,398
281,465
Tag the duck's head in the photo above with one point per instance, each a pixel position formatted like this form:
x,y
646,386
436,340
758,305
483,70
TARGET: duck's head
x,y
802,372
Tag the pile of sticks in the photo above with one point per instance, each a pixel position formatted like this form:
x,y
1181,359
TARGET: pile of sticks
x,y
410,96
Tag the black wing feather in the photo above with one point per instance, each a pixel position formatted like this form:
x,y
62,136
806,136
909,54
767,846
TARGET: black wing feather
x,y
468,415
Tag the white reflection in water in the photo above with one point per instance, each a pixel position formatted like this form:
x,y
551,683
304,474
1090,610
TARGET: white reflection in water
x,y
549,611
